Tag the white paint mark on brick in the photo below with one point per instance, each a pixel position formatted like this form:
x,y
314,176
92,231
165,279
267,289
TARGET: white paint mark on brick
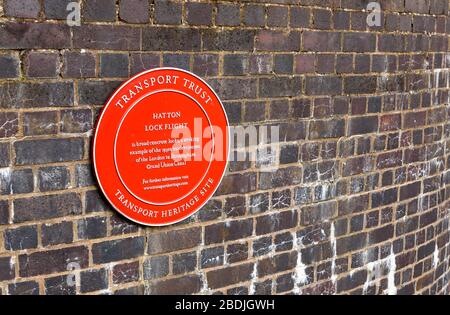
x,y
254,278
5,179
436,256
333,248
391,289
300,277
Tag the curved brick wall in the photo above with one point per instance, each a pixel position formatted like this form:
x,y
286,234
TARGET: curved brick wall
x,y
358,202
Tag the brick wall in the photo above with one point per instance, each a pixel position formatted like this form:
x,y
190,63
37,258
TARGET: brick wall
x,y
358,202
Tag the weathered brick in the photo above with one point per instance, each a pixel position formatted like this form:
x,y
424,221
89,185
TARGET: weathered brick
x,y
381,234
358,165
227,14
17,182
384,197
322,19
46,207
57,233
173,240
16,35
92,228
116,250
210,211
53,178
7,270
27,95
327,129
230,89
235,64
20,238
135,290
134,11
300,17
120,225
281,199
96,92
254,15
24,288
315,214
341,20
111,37
52,261
93,280
226,40
410,191
94,202
40,123
234,206
78,65
233,230
4,212
127,272
22,8
363,125
279,109
304,63
206,64
260,64
156,267
168,12
84,175
389,159
59,286
391,43
325,85
229,275
321,41
278,40
168,38
48,151
41,65
237,252
9,66
276,222
184,262
279,178
277,263
351,281
4,154
198,13
360,85
57,9
76,120
99,10
188,284
277,16
212,257
9,125
181,61
278,87
351,243
359,42
143,61
114,65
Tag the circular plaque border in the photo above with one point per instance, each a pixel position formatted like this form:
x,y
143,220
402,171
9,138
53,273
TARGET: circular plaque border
x,y
226,155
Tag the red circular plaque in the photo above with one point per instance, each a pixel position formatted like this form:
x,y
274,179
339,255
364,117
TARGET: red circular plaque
x,y
161,146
